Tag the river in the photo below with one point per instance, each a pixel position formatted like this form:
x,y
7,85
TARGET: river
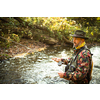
x,y
41,69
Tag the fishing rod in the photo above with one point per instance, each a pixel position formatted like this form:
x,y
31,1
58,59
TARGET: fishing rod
x,y
15,42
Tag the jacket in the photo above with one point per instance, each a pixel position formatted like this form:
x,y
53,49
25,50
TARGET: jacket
x,y
81,73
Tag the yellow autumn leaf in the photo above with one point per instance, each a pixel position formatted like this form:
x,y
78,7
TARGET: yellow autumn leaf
x,y
32,52
87,23
98,18
91,33
8,39
41,49
70,23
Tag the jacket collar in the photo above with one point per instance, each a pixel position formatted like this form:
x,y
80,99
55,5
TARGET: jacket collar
x,y
82,45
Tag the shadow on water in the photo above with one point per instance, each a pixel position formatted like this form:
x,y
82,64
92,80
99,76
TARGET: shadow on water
x,y
41,69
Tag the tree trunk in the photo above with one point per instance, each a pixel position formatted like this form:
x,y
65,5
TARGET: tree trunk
x,y
67,41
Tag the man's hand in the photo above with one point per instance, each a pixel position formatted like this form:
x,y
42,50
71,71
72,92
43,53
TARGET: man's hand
x,y
56,59
61,74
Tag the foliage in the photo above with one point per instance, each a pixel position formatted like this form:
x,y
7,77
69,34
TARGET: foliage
x,y
56,27
64,26
86,21
90,25
15,37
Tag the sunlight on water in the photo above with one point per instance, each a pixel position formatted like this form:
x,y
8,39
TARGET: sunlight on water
x,y
96,55
63,54
41,69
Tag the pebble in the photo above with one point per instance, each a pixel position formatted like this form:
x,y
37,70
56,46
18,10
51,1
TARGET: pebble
x,y
39,60
6,51
39,57
44,57
7,61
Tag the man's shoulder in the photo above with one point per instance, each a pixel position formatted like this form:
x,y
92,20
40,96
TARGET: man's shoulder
x,y
84,53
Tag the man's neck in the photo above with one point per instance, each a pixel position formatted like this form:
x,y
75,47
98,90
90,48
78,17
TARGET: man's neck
x,y
81,45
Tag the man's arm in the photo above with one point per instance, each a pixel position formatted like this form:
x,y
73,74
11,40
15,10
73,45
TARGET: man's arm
x,y
65,61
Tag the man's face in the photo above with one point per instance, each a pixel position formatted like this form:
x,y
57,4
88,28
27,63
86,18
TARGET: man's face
x,y
77,41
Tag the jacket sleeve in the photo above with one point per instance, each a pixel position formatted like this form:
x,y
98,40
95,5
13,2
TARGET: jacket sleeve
x,y
81,69
65,60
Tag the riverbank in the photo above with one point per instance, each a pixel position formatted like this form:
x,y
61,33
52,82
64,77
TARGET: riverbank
x,y
17,50
27,46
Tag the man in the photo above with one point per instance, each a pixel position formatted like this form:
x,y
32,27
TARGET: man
x,y
82,60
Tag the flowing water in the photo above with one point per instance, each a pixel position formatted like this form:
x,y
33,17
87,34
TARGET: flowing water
x,y
41,69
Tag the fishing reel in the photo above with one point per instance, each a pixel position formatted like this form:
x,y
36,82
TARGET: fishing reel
x,y
60,63
68,67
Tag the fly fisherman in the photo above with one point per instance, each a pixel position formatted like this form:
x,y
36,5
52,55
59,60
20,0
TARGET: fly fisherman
x,y
79,67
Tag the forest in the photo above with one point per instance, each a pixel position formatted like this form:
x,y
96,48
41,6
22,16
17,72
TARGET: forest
x,y
47,30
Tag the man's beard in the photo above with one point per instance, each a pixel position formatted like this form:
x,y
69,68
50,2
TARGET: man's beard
x,y
77,44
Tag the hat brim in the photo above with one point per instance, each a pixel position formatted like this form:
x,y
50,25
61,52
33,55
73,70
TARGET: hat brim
x,y
79,36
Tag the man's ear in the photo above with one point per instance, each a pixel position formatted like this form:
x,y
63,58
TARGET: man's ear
x,y
83,40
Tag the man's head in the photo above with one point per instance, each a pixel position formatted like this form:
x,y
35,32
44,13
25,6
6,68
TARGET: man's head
x,y
79,38
77,41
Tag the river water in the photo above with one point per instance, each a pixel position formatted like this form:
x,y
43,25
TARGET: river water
x,y
41,69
